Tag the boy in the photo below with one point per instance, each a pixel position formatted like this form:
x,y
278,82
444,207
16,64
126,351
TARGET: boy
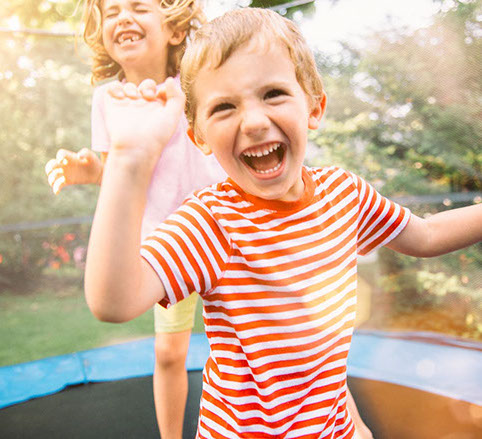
x,y
272,250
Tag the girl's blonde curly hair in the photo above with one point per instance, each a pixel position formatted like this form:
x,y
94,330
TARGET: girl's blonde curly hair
x,y
183,15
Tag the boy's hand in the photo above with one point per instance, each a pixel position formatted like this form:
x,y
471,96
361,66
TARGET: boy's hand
x,y
141,120
83,167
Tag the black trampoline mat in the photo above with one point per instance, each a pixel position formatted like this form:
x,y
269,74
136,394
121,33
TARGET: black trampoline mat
x,y
125,410
116,409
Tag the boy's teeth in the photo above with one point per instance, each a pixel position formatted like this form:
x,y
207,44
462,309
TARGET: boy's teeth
x,y
265,159
267,171
263,151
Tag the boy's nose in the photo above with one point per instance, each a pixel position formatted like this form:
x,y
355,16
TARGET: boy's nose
x,y
254,122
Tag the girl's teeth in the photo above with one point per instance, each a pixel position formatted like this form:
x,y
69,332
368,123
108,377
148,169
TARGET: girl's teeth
x,y
129,38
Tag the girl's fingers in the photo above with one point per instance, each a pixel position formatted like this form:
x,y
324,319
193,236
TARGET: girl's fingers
x,y
147,89
54,176
64,157
51,165
58,184
86,155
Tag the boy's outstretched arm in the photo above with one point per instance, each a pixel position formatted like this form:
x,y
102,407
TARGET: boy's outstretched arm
x,y
119,284
441,233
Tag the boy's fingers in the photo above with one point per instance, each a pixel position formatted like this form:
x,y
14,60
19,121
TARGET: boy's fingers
x,y
115,90
130,90
173,90
175,98
147,89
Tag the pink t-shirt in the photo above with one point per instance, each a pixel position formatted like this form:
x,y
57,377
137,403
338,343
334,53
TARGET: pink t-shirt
x,y
181,169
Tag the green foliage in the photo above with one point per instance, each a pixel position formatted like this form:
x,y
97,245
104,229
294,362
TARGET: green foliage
x,y
45,105
25,255
41,14
404,111
45,97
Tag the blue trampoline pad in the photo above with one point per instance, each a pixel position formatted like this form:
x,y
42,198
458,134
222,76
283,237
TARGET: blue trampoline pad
x,y
450,370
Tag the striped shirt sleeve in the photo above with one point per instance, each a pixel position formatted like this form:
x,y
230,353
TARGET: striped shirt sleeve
x,y
379,219
188,251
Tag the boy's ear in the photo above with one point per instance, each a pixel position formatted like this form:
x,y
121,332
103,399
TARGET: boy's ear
x,y
317,113
177,37
198,142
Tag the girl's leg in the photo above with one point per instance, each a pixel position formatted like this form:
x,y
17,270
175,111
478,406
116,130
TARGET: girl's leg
x,y
173,332
171,382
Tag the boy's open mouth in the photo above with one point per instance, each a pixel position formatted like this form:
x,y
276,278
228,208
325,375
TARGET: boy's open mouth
x,y
265,159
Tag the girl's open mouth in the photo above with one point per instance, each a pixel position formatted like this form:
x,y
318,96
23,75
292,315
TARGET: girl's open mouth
x,y
266,159
128,37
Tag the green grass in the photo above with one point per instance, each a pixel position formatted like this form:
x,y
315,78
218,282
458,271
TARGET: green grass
x,y
55,320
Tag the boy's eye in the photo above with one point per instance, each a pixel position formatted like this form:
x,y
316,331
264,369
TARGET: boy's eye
x,y
221,107
274,93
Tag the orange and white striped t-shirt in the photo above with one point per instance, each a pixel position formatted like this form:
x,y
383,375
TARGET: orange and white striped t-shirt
x,y
278,284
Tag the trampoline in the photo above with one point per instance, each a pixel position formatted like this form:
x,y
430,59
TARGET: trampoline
x,y
407,386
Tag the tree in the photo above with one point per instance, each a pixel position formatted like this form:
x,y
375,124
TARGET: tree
x,y
408,106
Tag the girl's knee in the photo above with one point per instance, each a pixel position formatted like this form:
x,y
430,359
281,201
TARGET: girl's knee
x,y
170,350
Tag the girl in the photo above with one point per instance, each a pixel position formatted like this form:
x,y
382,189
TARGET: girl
x,y
135,40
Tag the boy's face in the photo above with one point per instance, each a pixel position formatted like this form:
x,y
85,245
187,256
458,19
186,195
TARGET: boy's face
x,y
253,115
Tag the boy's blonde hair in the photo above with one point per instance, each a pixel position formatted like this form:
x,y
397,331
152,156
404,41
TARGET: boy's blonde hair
x,y
217,40
182,15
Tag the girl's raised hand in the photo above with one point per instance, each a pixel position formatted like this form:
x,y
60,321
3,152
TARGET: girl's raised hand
x,y
68,167
141,120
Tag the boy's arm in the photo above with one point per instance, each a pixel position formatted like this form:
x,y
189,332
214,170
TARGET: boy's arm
x,y
441,233
119,283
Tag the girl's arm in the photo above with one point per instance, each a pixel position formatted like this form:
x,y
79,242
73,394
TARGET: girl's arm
x,y
68,168
441,233
119,284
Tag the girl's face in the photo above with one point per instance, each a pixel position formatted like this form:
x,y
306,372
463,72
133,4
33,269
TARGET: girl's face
x,y
135,37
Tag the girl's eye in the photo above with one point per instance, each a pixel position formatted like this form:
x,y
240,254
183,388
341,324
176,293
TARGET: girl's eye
x,y
221,107
110,15
274,93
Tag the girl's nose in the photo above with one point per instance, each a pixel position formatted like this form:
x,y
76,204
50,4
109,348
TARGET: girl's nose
x,y
254,121
124,16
